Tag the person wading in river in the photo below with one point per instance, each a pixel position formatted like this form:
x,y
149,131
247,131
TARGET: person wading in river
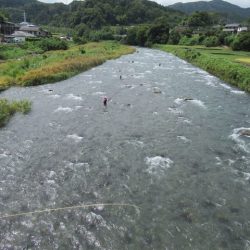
x,y
105,101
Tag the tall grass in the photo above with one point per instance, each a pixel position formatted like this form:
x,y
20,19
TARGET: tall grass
x,y
53,66
221,66
8,109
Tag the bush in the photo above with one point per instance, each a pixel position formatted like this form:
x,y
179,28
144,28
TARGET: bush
x,y
242,42
211,41
7,109
189,41
174,37
52,44
228,40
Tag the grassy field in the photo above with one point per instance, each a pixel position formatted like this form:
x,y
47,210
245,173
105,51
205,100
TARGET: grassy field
x,y
26,67
230,66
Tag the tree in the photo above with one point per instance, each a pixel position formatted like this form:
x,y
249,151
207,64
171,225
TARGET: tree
x,y
174,37
159,31
142,35
131,36
211,41
198,19
242,42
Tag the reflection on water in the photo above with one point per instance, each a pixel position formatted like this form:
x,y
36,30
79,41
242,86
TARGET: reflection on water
x,y
181,153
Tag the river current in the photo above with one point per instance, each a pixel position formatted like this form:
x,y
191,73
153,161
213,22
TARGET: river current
x,y
169,141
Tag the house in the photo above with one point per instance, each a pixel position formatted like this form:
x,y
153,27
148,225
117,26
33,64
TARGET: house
x,y
7,28
231,28
18,37
34,30
242,29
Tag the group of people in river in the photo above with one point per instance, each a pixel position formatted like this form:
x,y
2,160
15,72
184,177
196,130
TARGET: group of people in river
x,y
106,99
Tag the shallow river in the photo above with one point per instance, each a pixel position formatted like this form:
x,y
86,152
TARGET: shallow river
x,y
178,155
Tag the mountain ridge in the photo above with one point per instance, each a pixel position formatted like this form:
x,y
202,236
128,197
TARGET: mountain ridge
x,y
90,12
234,13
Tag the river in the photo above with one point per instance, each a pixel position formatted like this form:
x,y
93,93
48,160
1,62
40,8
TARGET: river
x,y
169,141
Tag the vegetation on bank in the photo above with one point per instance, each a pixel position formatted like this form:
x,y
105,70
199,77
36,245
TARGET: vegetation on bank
x,y
36,67
200,28
228,65
8,109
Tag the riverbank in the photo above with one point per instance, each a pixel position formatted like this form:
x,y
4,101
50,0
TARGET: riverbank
x,y
230,66
52,66
8,109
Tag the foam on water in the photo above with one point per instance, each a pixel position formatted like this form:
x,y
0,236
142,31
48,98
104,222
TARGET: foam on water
x,y
78,107
225,86
139,76
157,164
175,111
238,92
74,97
64,109
183,138
178,101
99,93
136,143
209,83
54,96
75,137
239,139
198,103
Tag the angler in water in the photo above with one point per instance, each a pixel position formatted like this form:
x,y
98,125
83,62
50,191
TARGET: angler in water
x,y
105,101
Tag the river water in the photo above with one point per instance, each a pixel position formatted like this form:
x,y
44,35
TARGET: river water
x,y
178,155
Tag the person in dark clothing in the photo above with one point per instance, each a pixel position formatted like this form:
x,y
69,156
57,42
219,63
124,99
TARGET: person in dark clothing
x,y
105,101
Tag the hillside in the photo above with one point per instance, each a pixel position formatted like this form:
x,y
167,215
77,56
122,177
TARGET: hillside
x,y
231,11
91,12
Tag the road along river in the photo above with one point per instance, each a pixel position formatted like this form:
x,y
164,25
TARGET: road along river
x,y
172,141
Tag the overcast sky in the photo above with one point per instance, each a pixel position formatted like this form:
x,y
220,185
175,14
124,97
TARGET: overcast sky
x,y
242,3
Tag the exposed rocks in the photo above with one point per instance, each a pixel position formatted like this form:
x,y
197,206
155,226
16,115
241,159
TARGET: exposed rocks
x,y
157,90
245,132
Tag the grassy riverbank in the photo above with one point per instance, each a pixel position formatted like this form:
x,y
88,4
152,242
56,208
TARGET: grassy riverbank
x,y
8,109
230,66
34,68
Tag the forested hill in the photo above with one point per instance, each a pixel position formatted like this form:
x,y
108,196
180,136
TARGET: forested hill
x,y
91,12
231,11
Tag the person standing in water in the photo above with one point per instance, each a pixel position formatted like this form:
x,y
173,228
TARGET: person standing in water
x,y
105,101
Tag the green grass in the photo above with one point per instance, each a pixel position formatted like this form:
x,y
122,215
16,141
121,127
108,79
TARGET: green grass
x,y
8,109
230,66
32,68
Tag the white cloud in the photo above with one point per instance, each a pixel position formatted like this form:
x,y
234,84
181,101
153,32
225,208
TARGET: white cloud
x,y
243,3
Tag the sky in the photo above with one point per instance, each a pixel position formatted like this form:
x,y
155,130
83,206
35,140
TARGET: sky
x,y
242,3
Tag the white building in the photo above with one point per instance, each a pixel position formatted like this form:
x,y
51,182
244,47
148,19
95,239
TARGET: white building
x,y
19,36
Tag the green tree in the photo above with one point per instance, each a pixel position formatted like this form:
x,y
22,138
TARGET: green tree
x,y
158,33
211,41
199,19
142,35
131,36
242,42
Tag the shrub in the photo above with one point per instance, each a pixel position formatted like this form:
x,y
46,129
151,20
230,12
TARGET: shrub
x,y
52,44
211,41
228,40
242,42
7,109
189,41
